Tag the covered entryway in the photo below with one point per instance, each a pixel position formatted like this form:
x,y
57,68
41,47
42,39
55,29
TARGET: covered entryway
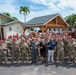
x,y
1,33
47,22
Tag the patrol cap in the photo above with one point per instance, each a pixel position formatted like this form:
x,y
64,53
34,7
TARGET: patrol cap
x,y
4,39
1,41
21,35
9,37
60,39
51,38
14,39
72,39
24,40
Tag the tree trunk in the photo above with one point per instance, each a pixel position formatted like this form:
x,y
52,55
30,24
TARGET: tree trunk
x,y
24,17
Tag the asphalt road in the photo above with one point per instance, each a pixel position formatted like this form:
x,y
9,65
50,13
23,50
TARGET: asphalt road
x,y
38,69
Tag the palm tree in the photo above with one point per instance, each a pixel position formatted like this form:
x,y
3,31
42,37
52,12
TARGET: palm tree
x,y
24,10
7,14
15,18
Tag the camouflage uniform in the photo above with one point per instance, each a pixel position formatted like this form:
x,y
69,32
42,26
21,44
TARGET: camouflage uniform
x,y
56,49
60,52
65,47
73,51
5,49
24,52
1,53
9,46
17,51
13,51
69,49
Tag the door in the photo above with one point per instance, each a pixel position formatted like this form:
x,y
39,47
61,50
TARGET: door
x,y
1,33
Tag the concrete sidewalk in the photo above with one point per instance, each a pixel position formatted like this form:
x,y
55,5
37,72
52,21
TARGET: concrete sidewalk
x,y
38,69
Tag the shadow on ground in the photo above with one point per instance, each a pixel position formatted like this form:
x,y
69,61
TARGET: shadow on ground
x,y
65,64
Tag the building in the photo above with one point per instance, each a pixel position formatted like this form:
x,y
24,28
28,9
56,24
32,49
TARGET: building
x,y
9,26
53,23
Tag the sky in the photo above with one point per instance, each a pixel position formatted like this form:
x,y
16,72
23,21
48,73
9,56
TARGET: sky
x,y
38,7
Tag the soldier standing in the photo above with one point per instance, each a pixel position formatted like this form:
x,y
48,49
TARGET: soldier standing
x,y
69,45
65,46
60,52
25,51
13,49
5,49
73,50
17,51
1,51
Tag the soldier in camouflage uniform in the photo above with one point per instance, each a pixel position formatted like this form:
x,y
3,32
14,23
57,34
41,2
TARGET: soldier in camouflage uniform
x,y
69,45
65,46
73,50
17,50
56,48
1,52
60,51
9,46
13,49
5,49
24,50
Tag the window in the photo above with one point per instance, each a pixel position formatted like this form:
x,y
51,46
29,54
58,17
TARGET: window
x,y
49,29
10,29
17,27
54,29
58,29
32,29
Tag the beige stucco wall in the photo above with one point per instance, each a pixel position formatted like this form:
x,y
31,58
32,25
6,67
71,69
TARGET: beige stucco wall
x,y
16,28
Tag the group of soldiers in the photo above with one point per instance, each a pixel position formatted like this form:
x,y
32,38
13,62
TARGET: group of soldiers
x,y
18,48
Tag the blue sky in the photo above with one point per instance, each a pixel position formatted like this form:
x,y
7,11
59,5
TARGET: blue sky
x,y
38,7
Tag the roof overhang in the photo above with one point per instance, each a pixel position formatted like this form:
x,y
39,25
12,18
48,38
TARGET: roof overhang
x,y
55,17
9,23
33,25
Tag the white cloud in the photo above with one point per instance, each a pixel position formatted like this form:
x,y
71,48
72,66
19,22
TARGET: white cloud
x,y
8,6
67,3
53,6
60,3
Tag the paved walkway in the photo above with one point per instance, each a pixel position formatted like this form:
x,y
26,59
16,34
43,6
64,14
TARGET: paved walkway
x,y
38,69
